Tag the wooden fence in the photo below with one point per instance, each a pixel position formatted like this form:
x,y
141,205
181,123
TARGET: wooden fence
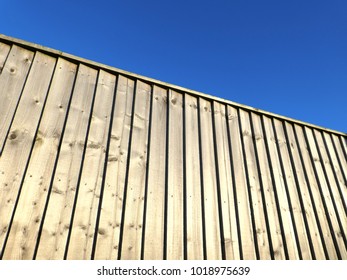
x,y
99,163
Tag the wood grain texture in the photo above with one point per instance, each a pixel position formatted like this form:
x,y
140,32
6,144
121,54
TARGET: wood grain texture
x,y
325,192
230,225
280,185
333,169
12,78
292,193
268,185
212,225
246,228
34,190
57,221
318,200
19,146
254,187
333,188
193,187
100,163
175,225
306,203
135,188
83,224
155,206
111,211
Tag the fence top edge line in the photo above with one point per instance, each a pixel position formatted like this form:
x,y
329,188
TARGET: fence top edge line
x,y
100,66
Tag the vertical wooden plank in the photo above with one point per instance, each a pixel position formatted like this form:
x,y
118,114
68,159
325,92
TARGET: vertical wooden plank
x,y
307,205
24,231
246,229
340,156
292,192
254,187
269,192
213,240
83,227
322,214
56,224
154,215
333,185
21,139
279,187
343,140
326,196
230,225
333,169
4,51
133,216
111,211
193,189
175,180
12,79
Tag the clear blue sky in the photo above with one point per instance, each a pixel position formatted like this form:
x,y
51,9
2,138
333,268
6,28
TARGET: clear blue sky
x,y
286,57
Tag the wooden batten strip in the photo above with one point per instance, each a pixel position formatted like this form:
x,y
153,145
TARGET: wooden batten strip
x,y
132,219
194,216
252,194
176,212
202,188
153,246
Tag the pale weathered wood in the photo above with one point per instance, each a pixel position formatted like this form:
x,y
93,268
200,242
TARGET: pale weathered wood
x,y
56,225
12,79
17,151
325,192
254,186
287,222
193,184
213,240
83,225
155,206
111,211
340,155
24,231
341,182
293,195
268,185
313,185
303,191
4,51
135,188
231,244
344,144
246,229
333,185
175,227
192,177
